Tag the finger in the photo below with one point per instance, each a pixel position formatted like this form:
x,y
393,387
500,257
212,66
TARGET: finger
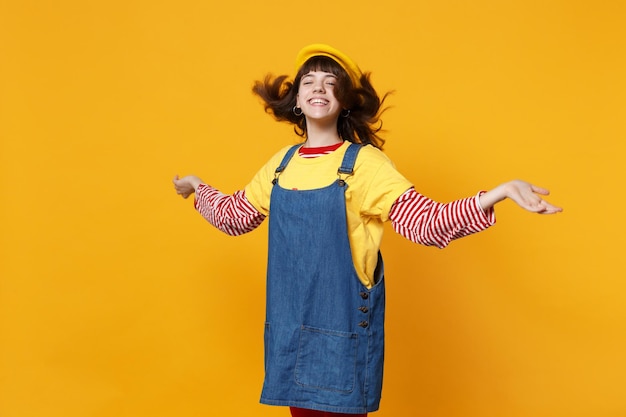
x,y
539,190
548,208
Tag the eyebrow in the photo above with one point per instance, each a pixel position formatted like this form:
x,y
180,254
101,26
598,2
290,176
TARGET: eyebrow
x,y
327,75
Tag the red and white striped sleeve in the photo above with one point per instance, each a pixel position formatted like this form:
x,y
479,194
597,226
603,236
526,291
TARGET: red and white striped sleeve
x,y
232,214
430,223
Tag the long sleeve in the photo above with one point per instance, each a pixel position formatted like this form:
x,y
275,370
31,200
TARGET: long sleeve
x,y
430,223
232,214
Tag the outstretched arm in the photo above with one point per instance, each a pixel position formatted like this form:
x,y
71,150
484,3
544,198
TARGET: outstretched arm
x,y
232,214
430,223
526,195
427,222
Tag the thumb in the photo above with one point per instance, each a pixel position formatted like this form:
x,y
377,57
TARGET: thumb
x,y
539,190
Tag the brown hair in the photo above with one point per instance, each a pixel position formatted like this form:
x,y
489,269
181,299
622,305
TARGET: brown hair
x,y
363,122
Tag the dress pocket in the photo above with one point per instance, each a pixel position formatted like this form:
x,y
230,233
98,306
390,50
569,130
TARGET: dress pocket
x,y
326,359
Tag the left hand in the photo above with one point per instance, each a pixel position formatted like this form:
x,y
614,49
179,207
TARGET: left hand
x,y
526,195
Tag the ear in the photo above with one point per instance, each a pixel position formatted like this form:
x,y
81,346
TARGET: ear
x,y
298,100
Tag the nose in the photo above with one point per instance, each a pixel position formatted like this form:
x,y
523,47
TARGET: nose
x,y
318,87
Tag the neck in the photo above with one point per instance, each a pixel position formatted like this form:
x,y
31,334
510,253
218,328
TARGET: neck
x,y
318,136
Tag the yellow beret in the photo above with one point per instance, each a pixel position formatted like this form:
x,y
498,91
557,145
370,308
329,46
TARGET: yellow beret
x,y
320,49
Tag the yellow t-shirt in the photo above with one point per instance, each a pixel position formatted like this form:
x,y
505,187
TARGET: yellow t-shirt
x,y
372,190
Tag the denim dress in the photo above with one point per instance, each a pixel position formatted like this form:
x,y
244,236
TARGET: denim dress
x,y
324,330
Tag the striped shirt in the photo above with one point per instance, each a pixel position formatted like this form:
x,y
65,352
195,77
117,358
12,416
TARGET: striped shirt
x,y
319,151
413,216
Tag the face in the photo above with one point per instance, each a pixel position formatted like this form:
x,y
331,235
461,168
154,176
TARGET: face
x,y
316,96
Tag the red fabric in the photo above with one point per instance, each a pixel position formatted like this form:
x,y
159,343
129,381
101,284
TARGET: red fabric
x,y
321,150
303,412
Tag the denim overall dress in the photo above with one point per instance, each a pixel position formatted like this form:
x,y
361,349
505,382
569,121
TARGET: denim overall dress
x,y
324,334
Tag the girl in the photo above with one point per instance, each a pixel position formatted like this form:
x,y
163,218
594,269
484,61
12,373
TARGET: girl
x,y
329,197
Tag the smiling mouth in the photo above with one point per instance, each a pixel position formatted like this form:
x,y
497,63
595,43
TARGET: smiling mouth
x,y
318,101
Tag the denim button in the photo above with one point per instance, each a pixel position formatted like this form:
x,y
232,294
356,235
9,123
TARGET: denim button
x,y
364,324
364,295
364,309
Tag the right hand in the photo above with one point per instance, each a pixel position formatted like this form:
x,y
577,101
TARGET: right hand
x,y
187,185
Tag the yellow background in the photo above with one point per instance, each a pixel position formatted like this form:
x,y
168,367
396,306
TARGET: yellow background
x,y
118,299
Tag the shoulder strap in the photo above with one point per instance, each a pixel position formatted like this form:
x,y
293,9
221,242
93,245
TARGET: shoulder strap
x,y
285,161
349,158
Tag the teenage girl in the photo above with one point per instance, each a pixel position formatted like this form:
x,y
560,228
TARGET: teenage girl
x,y
327,199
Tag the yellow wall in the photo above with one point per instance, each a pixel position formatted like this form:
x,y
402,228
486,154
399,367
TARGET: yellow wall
x,y
117,299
